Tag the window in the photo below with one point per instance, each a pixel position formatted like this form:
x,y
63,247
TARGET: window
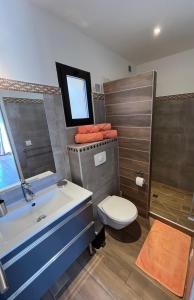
x,y
8,170
75,86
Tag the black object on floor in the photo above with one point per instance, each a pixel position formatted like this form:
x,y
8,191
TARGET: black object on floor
x,y
99,240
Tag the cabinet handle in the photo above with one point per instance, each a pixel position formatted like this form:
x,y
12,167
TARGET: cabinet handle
x,y
3,281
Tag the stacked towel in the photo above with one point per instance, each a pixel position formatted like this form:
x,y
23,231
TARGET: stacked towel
x,y
94,133
104,126
82,138
88,129
109,134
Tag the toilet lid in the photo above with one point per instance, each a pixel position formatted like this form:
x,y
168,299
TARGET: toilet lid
x,y
119,209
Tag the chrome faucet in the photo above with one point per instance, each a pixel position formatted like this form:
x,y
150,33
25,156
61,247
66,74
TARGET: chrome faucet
x,y
28,193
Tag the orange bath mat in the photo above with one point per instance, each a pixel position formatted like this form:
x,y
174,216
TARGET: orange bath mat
x,y
164,256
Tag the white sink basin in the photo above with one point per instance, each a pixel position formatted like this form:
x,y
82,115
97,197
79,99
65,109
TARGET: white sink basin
x,y
26,219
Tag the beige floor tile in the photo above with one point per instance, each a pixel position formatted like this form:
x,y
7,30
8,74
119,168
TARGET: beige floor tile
x,y
111,273
146,288
83,287
171,203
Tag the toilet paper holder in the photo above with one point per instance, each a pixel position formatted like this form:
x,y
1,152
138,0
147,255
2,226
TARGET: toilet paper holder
x,y
140,173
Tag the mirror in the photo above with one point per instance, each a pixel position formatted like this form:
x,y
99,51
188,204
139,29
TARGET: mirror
x,y
8,170
27,123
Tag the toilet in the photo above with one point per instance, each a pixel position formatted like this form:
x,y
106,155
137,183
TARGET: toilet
x,y
117,212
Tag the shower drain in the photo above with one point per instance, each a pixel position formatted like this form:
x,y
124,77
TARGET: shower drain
x,y
155,195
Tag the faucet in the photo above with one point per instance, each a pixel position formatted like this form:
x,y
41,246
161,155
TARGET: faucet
x,y
28,193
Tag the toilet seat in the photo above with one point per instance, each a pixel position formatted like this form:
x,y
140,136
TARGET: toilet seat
x,y
119,209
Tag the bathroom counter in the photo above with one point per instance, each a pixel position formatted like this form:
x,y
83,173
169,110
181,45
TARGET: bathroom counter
x,y
41,239
24,220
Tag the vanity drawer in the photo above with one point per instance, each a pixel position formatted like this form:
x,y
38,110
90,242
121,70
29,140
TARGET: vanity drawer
x,y
42,283
49,249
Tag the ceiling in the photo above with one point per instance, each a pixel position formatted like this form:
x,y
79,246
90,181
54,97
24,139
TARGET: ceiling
x,y
126,26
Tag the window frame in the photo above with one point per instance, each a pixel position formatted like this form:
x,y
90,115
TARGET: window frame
x,y
63,71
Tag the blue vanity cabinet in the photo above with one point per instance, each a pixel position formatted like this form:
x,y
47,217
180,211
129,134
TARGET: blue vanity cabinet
x,y
35,265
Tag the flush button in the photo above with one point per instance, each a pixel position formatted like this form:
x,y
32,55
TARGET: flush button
x,y
100,158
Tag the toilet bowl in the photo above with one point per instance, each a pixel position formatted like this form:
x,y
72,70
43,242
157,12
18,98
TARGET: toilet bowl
x,y
117,212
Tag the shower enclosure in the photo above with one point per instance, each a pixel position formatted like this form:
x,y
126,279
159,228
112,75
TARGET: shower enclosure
x,y
172,184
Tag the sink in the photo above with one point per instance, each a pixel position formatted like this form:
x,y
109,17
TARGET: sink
x,y
26,219
21,218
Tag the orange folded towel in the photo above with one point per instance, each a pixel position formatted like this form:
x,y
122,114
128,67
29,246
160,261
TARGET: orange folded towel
x,y
87,129
88,137
109,134
104,126
93,128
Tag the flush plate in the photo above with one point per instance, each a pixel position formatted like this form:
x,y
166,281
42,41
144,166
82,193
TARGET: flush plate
x,y
100,158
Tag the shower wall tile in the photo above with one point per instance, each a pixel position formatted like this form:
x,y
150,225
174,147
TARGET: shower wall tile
x,y
143,145
129,83
131,174
173,141
130,95
139,133
131,108
141,120
128,104
134,154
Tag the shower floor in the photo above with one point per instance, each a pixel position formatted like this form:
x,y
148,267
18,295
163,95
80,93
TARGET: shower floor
x,y
171,203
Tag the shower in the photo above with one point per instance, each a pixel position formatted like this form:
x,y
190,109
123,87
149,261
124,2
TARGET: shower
x,y
172,173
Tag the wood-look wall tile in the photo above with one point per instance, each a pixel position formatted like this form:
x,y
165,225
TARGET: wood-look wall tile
x,y
139,195
131,184
141,120
139,198
134,154
128,105
132,174
129,83
143,145
141,107
138,166
143,133
128,96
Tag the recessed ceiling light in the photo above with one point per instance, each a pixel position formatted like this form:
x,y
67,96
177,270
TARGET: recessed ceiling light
x,y
157,31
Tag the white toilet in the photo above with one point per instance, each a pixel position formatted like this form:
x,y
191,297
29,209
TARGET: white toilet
x,y
117,212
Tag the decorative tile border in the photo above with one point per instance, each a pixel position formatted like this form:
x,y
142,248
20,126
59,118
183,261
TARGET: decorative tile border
x,y
177,97
98,96
22,86
86,147
22,100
